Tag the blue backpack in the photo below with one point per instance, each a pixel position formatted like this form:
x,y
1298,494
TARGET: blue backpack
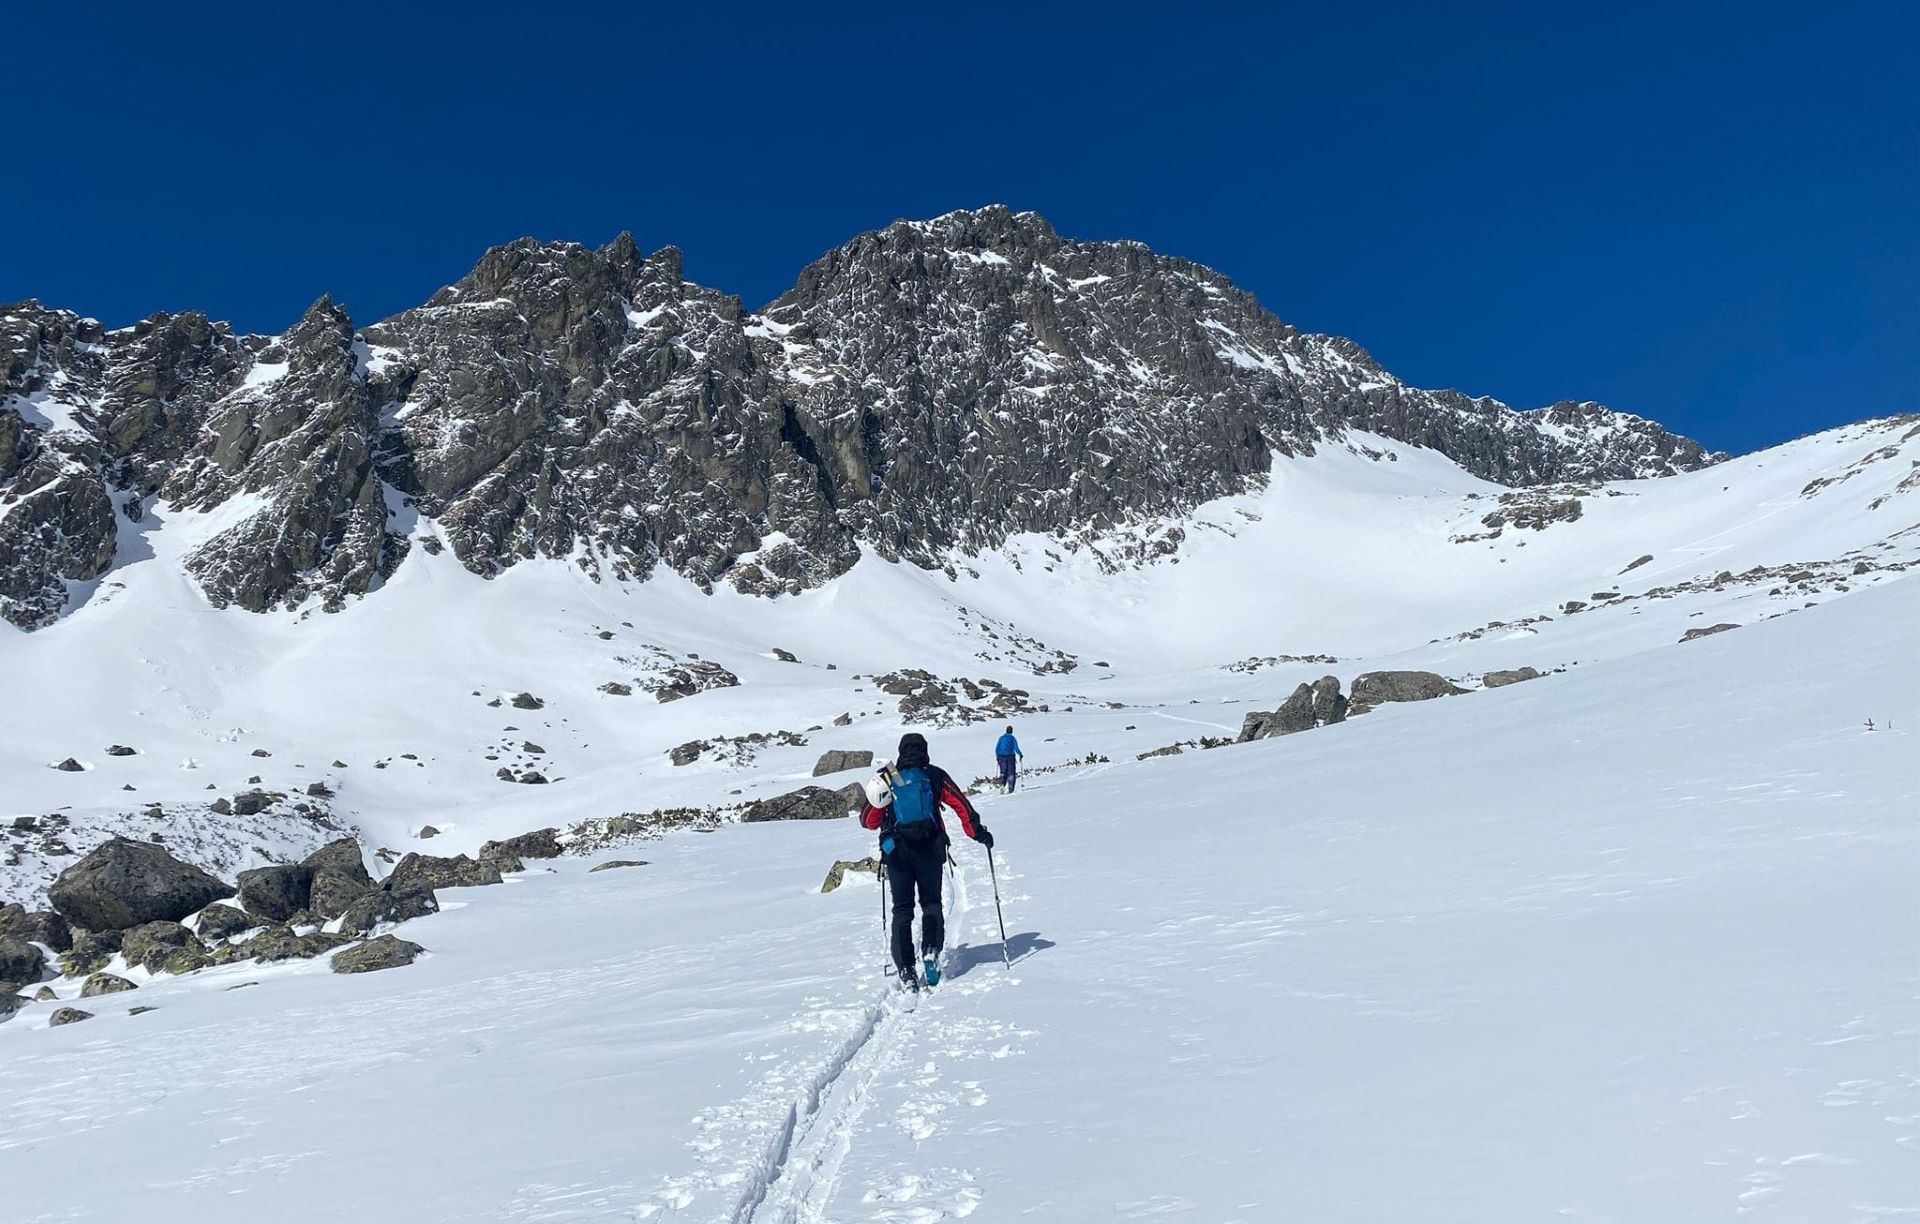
x,y
915,807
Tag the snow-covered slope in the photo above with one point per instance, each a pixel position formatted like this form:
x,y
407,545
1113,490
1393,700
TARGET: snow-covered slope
x,y
1626,943
1367,555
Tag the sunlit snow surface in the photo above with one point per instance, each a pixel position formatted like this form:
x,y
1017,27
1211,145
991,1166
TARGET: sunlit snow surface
x,y
1631,942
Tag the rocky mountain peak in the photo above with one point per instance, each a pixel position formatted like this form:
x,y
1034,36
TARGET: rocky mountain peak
x,y
926,390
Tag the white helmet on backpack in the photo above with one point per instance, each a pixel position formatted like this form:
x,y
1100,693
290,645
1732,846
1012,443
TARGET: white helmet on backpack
x,y
879,790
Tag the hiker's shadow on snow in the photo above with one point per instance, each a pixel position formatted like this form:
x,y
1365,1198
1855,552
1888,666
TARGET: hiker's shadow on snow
x,y
968,956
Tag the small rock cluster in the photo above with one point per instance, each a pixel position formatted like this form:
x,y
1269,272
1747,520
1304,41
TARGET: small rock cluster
x,y
134,901
927,699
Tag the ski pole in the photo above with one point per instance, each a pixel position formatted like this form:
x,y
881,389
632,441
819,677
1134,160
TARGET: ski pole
x,y
886,932
1005,954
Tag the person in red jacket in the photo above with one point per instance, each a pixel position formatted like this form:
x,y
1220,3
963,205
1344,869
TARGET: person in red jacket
x,y
904,804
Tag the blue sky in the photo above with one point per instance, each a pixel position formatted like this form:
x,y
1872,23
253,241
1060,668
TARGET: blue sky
x,y
1705,213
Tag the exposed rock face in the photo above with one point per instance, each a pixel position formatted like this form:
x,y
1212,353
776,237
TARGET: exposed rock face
x,y
382,952
1500,679
123,883
1376,688
21,964
933,386
807,803
275,893
38,926
838,761
325,883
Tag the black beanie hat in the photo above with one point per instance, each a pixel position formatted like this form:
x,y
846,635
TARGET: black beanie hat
x,y
913,750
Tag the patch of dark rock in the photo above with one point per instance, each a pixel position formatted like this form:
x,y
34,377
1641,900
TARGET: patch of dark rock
x,y
380,909
1319,704
70,766
1637,563
123,883
427,831
67,1015
527,701
21,964
120,750
613,688
610,864
1372,689
37,926
427,871
261,752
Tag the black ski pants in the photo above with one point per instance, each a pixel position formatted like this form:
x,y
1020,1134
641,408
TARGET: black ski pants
x,y
911,871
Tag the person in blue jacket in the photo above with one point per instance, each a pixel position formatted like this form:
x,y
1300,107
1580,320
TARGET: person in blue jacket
x,y
1008,753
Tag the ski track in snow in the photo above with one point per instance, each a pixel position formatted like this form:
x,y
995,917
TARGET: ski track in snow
x,y
799,1170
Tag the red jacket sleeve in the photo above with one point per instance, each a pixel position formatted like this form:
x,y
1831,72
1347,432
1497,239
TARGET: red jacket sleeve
x,y
870,816
956,799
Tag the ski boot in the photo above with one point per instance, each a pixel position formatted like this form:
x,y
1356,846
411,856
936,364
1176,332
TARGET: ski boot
x,y
931,967
909,980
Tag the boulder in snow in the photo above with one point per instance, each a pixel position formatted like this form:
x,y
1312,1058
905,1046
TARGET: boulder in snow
x,y
539,844
837,874
1500,679
1707,631
383,908
380,952
428,871
807,803
123,883
837,761
1371,689
68,1015
105,984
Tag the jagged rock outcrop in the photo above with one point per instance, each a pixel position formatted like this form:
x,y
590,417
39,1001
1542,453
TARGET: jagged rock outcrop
x,y
929,388
1319,704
